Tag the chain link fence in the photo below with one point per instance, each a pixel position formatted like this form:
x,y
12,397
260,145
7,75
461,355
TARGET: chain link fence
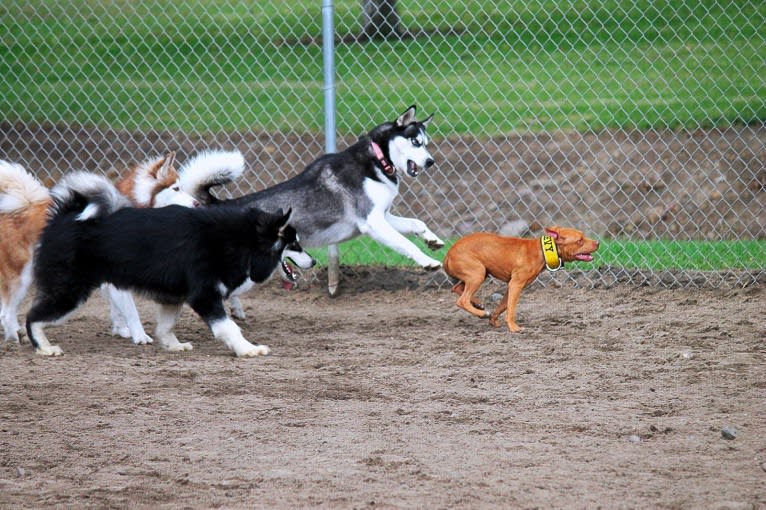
x,y
636,122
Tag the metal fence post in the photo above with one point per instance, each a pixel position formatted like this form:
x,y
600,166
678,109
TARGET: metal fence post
x,y
328,62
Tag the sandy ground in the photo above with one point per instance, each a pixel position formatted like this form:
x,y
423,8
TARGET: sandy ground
x,y
612,398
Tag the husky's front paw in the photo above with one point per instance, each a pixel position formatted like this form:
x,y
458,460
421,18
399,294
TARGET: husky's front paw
x,y
434,243
432,265
51,350
179,347
142,339
253,351
13,335
121,330
238,313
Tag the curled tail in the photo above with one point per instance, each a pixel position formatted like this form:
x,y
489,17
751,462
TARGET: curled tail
x,y
90,195
18,188
208,169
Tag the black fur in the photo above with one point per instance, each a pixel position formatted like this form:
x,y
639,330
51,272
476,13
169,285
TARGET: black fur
x,y
172,254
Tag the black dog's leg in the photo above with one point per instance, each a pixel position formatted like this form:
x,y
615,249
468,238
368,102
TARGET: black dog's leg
x,y
49,309
209,306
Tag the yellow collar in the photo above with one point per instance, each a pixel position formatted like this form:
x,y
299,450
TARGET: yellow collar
x,y
551,254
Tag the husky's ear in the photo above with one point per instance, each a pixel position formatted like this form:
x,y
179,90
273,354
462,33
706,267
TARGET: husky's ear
x,y
167,165
428,120
407,117
283,219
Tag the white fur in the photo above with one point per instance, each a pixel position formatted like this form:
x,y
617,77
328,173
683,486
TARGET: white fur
x,y
229,333
18,188
89,183
210,166
167,317
9,311
174,196
390,230
125,319
401,149
44,347
143,183
301,259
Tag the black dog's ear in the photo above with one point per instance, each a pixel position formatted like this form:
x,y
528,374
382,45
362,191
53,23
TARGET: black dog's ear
x,y
407,117
428,120
283,218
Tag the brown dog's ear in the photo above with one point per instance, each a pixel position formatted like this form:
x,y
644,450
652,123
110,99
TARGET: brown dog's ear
x,y
552,231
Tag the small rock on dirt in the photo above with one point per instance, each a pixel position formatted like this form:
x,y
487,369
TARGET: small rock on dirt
x,y
729,433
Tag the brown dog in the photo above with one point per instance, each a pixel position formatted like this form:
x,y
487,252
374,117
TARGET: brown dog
x,y
512,260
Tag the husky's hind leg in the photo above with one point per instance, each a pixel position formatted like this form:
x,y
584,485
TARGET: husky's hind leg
x,y
125,319
166,322
49,309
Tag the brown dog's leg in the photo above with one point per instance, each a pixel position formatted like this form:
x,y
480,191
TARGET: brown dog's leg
x,y
501,306
459,288
513,293
465,301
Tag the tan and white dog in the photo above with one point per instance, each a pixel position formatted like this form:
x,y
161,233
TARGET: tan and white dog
x,y
24,212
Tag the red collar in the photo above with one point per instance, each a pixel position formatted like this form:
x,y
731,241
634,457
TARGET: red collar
x,y
387,168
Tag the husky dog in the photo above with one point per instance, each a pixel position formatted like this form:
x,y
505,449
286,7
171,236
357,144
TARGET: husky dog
x,y
173,254
350,193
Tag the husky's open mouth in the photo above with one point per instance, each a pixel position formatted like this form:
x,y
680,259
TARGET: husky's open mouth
x,y
288,272
412,168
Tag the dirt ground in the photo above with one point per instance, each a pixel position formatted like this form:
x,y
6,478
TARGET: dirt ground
x,y
388,396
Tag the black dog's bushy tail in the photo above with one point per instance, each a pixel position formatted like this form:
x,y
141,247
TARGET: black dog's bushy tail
x,y
90,195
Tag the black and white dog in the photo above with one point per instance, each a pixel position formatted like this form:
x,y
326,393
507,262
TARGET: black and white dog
x,y
174,255
343,195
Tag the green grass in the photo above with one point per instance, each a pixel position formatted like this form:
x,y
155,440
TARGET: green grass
x,y
512,65
650,255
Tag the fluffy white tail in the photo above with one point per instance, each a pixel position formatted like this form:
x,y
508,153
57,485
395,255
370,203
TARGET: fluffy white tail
x,y
18,188
208,169
89,194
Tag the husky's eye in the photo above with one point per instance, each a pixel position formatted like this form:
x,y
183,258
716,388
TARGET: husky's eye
x,y
416,142
176,188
